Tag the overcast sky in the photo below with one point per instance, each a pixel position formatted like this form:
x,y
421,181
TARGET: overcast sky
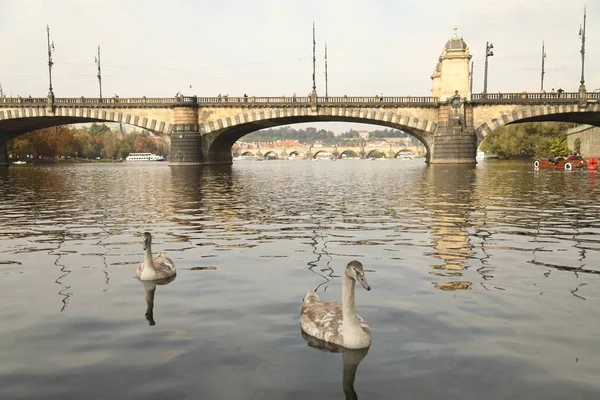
x,y
155,48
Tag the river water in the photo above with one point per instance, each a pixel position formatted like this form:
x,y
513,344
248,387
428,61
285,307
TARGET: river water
x,y
485,280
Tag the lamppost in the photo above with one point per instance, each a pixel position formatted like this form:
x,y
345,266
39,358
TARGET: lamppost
x,y
543,58
326,92
582,37
99,72
314,87
50,63
471,78
488,53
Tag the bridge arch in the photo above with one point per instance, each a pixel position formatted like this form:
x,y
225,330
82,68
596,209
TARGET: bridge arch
x,y
220,135
377,153
349,153
271,154
544,113
14,122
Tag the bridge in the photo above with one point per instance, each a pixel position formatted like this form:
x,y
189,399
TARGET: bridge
x,y
387,150
450,123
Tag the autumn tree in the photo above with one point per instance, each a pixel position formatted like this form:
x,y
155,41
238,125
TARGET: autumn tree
x,y
533,139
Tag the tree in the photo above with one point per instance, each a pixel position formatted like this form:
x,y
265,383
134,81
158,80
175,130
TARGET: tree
x,y
534,139
559,147
97,130
577,145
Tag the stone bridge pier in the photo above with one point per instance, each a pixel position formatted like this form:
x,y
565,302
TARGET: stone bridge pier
x,y
186,140
454,140
3,152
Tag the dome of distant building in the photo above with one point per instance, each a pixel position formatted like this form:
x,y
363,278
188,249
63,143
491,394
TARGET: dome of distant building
x,y
456,43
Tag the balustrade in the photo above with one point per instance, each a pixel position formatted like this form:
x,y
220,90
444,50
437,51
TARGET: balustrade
x,y
508,97
287,100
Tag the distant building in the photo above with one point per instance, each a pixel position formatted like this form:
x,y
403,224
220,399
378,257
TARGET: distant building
x,y
363,134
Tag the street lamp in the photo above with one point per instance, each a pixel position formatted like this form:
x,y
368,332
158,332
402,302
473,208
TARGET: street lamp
x,y
99,72
488,53
326,92
543,59
50,63
314,87
582,37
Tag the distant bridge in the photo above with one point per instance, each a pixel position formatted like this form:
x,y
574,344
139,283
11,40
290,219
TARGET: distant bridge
x,y
388,150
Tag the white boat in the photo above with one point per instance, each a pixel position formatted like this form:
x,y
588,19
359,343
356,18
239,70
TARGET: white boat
x,y
18,162
405,155
250,158
144,157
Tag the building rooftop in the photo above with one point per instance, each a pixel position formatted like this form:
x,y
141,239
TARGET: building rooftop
x,y
456,43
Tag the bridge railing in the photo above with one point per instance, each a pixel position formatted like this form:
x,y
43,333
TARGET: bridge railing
x,y
19,100
287,100
320,100
253,99
499,97
113,100
40,101
377,99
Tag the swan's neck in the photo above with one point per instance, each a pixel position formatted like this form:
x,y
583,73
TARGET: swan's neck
x,y
351,323
148,257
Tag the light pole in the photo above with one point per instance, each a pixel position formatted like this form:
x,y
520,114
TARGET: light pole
x,y
488,53
471,78
543,59
314,87
326,92
582,37
99,72
50,63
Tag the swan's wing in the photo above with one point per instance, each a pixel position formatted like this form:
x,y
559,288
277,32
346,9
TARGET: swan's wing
x,y
363,324
163,262
163,268
139,270
311,297
322,320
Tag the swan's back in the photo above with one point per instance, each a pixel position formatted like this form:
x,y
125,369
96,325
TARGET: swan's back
x,y
324,320
163,268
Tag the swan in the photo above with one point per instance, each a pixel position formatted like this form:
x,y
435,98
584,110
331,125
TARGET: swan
x,y
157,267
334,322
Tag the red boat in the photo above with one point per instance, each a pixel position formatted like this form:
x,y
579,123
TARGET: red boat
x,y
545,163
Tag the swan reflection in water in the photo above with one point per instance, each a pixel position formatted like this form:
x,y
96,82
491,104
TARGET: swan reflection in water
x,y
150,287
350,357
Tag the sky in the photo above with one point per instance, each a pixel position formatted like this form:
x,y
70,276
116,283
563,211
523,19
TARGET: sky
x,y
156,48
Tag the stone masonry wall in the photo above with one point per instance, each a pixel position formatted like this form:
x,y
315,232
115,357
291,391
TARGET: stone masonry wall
x,y
590,140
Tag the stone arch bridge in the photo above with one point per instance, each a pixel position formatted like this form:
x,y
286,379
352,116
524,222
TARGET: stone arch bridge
x,y
309,151
202,130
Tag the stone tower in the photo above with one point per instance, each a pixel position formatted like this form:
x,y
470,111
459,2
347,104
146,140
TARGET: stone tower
x,y
452,73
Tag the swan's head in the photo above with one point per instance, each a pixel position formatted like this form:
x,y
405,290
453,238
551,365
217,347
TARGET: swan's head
x,y
147,240
356,271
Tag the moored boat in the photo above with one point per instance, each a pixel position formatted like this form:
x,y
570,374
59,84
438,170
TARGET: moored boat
x,y
144,157
546,163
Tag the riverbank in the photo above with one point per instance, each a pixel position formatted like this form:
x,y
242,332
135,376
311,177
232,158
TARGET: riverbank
x,y
61,160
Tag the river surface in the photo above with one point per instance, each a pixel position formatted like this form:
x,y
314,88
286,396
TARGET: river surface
x,y
485,280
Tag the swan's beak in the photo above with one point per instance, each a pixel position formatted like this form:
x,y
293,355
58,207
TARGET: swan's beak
x,y
363,281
